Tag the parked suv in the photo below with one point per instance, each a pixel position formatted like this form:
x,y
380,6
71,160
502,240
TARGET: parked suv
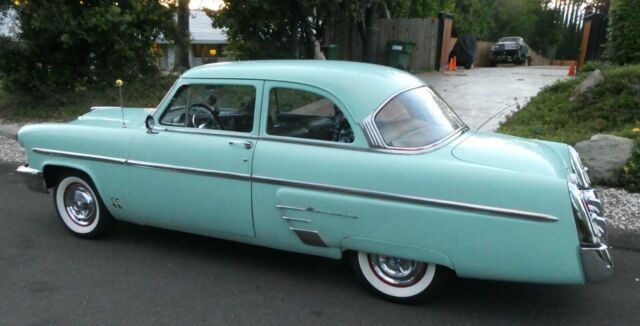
x,y
510,49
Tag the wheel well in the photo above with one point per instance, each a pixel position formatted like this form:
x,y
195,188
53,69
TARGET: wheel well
x,y
51,173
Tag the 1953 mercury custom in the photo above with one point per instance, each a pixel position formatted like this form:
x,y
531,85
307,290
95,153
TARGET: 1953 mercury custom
x,y
331,159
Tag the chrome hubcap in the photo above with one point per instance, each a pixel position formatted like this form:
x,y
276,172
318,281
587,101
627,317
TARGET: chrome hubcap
x,y
80,204
397,271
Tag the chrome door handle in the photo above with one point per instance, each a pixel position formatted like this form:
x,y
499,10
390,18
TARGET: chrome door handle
x,y
246,144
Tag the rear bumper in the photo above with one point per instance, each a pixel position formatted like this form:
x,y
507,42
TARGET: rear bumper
x,y
597,263
32,178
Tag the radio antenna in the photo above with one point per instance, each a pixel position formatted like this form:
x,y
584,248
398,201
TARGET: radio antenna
x,y
119,84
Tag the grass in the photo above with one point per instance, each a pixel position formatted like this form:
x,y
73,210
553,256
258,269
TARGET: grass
x,y
53,106
612,107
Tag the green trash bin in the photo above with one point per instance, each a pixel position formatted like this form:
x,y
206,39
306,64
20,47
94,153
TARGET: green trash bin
x,y
399,54
331,52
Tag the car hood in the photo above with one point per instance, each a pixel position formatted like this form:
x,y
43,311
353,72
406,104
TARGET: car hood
x,y
511,153
112,116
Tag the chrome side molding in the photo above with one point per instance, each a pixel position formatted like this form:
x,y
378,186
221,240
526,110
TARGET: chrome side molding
x,y
506,212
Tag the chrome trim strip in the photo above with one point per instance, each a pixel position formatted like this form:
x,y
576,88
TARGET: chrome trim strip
x,y
143,164
309,237
531,216
98,158
205,172
287,218
290,207
210,132
312,142
313,210
308,185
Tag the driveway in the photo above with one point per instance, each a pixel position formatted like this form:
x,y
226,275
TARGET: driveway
x,y
490,94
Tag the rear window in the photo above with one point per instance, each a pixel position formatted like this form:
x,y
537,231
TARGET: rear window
x,y
416,118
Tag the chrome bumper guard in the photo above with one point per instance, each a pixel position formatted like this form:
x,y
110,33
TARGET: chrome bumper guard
x,y
591,223
33,178
596,263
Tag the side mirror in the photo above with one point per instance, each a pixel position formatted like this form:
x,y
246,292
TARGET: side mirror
x,y
149,123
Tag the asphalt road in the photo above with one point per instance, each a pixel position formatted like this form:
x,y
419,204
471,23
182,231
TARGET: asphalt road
x,y
147,276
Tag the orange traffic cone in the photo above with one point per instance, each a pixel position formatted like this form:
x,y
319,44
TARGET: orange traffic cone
x,y
455,64
572,70
450,66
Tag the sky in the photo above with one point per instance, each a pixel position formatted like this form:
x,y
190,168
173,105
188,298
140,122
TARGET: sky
x,y
209,4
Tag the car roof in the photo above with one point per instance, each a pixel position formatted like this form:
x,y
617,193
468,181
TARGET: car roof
x,y
362,87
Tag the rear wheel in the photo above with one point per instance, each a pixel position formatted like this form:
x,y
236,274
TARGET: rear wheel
x,y
397,279
79,207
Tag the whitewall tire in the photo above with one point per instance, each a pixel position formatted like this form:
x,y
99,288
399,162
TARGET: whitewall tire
x,y
397,279
79,206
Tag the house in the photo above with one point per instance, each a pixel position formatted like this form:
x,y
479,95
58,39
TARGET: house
x,y
207,43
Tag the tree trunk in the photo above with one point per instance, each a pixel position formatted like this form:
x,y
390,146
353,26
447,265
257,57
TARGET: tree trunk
x,y
182,37
294,27
365,27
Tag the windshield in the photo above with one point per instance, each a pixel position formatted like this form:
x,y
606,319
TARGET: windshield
x,y
415,119
509,39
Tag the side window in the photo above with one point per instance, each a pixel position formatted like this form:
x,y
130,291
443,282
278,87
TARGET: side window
x,y
302,114
217,107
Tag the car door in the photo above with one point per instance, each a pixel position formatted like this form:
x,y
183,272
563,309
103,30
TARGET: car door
x,y
307,138
192,171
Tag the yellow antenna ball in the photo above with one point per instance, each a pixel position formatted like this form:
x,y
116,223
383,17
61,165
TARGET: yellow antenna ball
x,y
119,83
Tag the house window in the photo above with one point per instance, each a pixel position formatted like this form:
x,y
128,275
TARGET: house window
x,y
208,50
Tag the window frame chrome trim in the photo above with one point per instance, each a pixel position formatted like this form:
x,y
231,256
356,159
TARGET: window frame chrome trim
x,y
210,132
375,134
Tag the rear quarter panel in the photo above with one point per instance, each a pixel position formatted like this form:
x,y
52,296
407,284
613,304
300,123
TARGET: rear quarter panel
x,y
475,244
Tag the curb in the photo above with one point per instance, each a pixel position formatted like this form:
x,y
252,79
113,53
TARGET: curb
x,y
620,238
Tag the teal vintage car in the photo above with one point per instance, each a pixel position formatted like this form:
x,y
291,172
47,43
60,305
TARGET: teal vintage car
x,y
334,159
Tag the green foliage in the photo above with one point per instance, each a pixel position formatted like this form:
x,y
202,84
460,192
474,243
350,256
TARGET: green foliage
x,y
612,107
624,32
63,45
274,29
514,18
67,106
419,8
473,17
547,33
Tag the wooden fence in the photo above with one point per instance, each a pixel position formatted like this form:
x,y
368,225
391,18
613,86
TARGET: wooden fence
x,y
422,32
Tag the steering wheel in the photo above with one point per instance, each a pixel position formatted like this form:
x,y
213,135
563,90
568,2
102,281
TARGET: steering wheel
x,y
202,117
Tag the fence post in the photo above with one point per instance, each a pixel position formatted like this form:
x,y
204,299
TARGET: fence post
x,y
594,36
444,39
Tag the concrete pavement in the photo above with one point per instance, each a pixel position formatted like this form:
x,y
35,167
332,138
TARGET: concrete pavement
x,y
482,94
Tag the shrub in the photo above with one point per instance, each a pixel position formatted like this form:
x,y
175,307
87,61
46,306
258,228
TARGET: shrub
x,y
624,32
613,107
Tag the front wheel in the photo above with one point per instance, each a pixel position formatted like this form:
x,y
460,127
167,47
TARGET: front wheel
x,y
397,279
80,208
